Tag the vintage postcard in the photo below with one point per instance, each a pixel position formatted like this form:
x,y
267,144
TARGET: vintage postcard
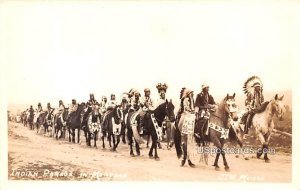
x,y
167,93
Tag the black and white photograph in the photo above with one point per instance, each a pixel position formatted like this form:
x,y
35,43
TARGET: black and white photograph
x,y
107,92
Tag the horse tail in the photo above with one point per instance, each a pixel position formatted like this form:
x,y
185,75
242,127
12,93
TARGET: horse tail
x,y
177,140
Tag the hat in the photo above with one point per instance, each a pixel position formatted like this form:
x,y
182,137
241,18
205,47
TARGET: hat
x,y
187,92
131,92
39,104
146,90
256,84
204,86
161,87
73,100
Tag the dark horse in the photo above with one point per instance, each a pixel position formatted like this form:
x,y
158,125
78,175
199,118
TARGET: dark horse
x,y
41,121
60,123
218,129
91,120
29,119
159,114
74,123
112,123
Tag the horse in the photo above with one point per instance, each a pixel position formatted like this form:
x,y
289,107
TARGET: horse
x,y
41,122
112,122
262,123
29,120
74,123
60,123
216,129
151,126
91,123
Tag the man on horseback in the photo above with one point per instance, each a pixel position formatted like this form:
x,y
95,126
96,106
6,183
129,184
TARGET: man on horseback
x,y
103,105
253,101
203,105
148,105
73,108
50,111
113,102
61,108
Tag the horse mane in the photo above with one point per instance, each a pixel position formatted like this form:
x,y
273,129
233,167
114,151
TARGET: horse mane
x,y
219,117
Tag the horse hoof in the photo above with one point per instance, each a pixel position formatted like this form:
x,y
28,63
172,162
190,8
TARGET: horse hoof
x,y
258,155
151,156
191,164
227,169
217,168
267,160
132,155
237,156
157,158
246,158
182,163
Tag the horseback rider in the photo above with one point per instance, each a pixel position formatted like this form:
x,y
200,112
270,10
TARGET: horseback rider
x,y
73,108
186,102
61,108
135,101
253,101
50,111
31,110
103,105
91,103
203,105
113,102
148,105
162,89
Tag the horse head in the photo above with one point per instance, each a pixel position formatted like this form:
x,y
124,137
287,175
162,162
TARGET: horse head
x,y
118,114
230,107
65,114
170,110
278,107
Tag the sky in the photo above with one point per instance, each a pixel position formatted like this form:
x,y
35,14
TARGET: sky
x,y
69,49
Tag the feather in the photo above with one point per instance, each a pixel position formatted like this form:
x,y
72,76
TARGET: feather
x,y
248,85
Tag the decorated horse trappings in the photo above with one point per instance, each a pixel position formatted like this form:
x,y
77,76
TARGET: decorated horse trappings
x,y
60,124
152,126
112,123
215,126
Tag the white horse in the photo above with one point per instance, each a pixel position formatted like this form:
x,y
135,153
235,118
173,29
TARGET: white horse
x,y
262,124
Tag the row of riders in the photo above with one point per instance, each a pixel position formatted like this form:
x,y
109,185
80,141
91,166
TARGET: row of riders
x,y
202,120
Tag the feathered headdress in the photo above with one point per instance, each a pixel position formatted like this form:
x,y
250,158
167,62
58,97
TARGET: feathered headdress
x,y
251,83
161,86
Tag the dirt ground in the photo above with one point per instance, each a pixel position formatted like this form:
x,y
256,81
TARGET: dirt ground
x,y
33,156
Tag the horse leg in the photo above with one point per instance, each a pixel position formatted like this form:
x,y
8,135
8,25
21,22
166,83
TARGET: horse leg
x,y
123,133
78,135
109,139
263,142
224,160
103,144
95,139
148,139
118,141
137,148
73,135
130,139
217,168
155,142
184,148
